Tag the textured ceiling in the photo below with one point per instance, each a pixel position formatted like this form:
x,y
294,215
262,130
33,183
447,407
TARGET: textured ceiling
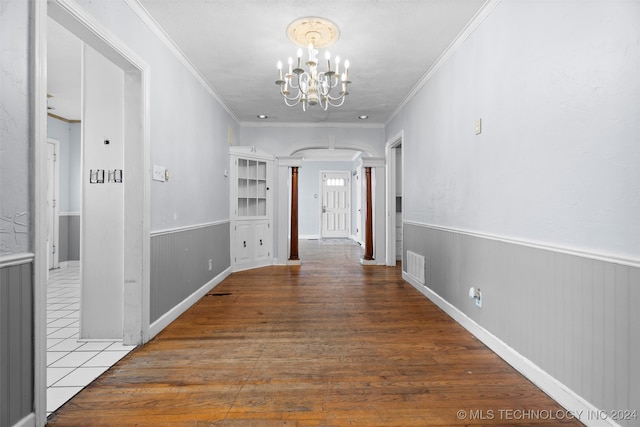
x,y
235,44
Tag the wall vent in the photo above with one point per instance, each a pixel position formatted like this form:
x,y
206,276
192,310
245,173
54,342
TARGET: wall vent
x,y
415,266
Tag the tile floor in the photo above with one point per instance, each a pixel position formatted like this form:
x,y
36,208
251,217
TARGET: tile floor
x,y
72,364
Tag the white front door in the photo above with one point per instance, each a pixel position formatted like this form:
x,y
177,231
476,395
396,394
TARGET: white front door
x,y
335,204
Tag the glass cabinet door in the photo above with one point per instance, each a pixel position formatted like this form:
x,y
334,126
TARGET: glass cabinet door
x,y
252,188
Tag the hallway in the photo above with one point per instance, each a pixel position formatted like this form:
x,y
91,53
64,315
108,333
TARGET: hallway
x,y
327,343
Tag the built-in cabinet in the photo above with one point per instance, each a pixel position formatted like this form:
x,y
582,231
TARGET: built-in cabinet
x,y
251,175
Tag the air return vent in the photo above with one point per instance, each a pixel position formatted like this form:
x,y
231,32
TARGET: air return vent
x,y
415,266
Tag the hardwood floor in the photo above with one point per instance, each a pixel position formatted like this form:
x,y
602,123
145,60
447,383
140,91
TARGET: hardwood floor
x,y
328,343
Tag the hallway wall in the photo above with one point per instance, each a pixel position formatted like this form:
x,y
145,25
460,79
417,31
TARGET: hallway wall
x,y
540,209
16,215
68,135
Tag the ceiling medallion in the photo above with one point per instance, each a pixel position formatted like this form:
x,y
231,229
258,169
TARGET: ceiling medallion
x,y
318,31
313,87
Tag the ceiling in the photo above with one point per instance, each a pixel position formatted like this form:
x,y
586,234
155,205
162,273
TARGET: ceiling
x,y
391,44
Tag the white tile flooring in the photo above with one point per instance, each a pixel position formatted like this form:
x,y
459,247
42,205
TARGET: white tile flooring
x,y
72,364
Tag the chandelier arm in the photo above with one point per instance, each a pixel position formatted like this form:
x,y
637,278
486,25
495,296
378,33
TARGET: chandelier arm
x,y
297,101
336,105
294,98
336,98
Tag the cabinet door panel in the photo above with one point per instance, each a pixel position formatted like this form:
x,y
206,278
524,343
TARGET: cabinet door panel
x,y
261,241
243,243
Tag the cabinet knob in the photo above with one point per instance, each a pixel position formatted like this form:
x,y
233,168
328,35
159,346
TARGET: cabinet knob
x,y
244,244
260,242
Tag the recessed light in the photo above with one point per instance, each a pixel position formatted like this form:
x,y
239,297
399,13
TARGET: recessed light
x,y
363,117
262,116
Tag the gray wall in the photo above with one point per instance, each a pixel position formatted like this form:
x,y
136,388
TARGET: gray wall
x,y
556,166
69,244
16,343
180,263
573,316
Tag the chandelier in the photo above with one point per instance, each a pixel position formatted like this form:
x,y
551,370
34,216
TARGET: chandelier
x,y
311,86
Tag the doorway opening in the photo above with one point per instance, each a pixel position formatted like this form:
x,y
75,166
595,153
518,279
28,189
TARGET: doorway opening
x,y
134,230
394,205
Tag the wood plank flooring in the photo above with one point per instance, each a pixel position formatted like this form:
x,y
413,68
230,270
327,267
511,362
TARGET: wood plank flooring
x,y
328,343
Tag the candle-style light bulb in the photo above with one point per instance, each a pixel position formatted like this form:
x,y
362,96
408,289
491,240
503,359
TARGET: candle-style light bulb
x,y
279,70
290,65
328,56
337,61
346,69
299,56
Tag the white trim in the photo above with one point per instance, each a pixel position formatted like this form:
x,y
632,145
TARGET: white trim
x,y
136,160
164,321
336,125
153,25
474,23
16,259
55,224
69,214
28,421
309,237
631,262
188,228
562,394
38,93
390,207
72,263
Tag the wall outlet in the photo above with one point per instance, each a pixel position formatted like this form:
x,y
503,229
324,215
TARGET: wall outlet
x,y
478,298
210,264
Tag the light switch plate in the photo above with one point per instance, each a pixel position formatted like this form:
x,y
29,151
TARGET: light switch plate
x,y
158,173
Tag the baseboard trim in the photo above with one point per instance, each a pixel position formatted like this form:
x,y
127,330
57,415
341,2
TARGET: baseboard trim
x,y
71,263
567,398
28,421
309,237
156,327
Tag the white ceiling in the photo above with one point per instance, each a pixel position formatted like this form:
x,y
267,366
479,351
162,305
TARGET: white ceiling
x,y
391,44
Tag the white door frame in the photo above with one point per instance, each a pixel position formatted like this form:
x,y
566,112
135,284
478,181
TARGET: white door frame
x,y
390,154
136,175
53,230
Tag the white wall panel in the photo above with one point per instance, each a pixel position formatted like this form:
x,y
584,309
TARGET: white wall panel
x,y
556,162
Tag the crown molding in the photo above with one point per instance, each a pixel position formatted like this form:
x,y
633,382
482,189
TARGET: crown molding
x,y
474,23
153,25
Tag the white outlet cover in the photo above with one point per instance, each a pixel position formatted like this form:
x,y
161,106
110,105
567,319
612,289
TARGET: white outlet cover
x,y
158,173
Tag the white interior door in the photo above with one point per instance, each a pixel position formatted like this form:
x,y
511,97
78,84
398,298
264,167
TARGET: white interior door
x,y
52,203
336,214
